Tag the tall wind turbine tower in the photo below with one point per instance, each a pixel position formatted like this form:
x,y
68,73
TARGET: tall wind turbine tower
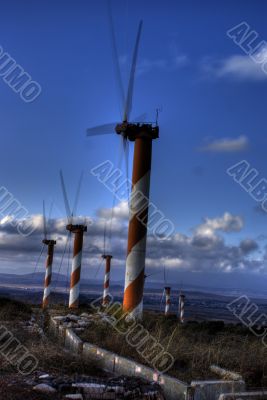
x,y
49,262
142,135
78,231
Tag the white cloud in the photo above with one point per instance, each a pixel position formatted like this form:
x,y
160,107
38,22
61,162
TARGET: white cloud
x,y
226,145
120,211
204,250
242,67
226,223
239,66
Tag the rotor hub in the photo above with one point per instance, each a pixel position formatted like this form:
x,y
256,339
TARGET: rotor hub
x,y
49,242
105,256
132,131
76,228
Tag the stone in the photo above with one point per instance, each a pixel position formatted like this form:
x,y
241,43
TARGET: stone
x,y
59,318
85,315
78,330
42,387
73,317
83,323
45,376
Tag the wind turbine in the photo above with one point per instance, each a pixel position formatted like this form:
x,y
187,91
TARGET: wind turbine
x,y
78,231
181,306
108,258
142,135
167,294
49,261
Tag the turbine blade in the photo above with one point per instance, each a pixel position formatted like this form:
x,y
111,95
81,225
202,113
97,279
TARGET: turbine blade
x,y
66,201
62,259
98,268
115,56
126,157
50,213
162,297
77,195
44,221
38,259
101,129
152,273
105,230
129,98
140,118
50,210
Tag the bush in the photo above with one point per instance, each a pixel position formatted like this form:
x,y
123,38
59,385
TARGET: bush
x,y
13,309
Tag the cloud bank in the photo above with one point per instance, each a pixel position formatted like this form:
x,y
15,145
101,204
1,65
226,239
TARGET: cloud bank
x,y
226,145
205,250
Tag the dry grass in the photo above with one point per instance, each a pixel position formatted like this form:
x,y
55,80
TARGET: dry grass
x,y
13,310
18,390
52,358
195,346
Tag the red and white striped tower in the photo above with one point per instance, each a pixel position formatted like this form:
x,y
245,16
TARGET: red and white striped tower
x,y
168,300
142,135
106,279
181,307
78,231
48,271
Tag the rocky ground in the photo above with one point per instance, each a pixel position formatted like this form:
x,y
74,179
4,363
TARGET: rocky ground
x,y
59,374
41,386
84,387
78,323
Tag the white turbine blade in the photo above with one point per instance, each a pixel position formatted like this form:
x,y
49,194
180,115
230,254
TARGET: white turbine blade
x,y
98,268
77,194
125,143
129,98
38,260
66,201
115,56
44,221
98,130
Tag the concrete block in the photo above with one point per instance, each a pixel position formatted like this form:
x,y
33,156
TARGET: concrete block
x,y
53,326
174,389
212,389
253,395
62,333
73,342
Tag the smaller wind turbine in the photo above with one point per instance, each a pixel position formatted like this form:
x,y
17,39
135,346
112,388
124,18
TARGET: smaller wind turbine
x,y
78,231
167,293
181,306
108,258
49,261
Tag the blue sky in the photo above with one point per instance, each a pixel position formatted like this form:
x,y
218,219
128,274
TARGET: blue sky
x,y
183,68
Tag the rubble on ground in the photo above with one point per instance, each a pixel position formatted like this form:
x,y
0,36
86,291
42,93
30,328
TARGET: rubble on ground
x,y
32,326
79,322
84,387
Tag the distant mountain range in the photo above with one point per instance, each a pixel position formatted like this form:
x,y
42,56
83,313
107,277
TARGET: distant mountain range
x,y
35,281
